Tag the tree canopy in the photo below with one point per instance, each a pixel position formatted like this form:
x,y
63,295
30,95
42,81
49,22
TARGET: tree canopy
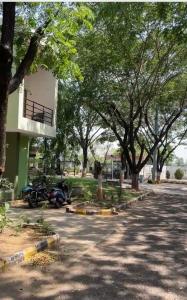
x,y
131,60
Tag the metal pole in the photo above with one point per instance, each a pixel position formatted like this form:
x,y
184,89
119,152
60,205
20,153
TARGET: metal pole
x,y
154,171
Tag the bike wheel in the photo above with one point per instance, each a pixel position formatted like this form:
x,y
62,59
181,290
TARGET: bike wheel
x,y
57,204
33,203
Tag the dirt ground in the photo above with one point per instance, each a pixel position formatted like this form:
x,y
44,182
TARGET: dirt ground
x,y
12,241
141,254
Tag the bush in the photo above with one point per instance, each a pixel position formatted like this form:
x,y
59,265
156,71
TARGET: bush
x,y
4,220
168,174
179,174
5,184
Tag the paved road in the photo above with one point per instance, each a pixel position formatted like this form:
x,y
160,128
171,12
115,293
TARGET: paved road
x,y
139,255
164,188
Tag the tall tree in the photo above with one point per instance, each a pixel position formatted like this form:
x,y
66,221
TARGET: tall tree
x,y
84,124
134,56
169,143
59,27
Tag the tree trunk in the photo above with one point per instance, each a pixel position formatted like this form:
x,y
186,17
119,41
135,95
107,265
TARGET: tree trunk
x,y
135,181
158,176
6,57
100,188
85,161
3,114
122,171
121,179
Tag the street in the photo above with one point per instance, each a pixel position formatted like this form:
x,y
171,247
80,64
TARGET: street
x,y
141,254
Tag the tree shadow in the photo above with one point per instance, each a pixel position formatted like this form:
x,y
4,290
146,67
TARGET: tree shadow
x,y
139,255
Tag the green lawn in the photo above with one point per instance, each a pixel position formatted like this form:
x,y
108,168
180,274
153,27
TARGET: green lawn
x,y
112,192
88,187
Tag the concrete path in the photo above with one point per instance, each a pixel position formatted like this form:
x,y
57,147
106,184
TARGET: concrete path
x,y
139,255
163,188
167,188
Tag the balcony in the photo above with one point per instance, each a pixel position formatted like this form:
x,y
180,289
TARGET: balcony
x,y
37,112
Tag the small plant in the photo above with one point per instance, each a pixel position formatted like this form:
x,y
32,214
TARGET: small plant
x,y
5,184
4,219
88,196
45,227
168,174
18,224
179,174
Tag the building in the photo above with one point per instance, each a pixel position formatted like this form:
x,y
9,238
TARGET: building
x,y
113,166
31,113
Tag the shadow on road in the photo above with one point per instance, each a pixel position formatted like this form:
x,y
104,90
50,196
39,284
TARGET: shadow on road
x,y
140,255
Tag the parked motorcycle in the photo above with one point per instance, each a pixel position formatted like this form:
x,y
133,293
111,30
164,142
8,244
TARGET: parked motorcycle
x,y
35,194
60,195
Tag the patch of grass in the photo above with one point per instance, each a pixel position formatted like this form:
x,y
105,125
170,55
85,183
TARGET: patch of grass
x,y
113,194
88,184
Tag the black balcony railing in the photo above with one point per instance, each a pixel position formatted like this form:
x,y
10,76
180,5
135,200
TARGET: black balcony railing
x,y
38,112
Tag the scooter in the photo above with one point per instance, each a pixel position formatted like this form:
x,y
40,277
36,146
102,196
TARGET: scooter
x,y
59,195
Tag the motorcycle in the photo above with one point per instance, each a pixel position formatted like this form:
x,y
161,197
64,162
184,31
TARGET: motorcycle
x,y
35,194
59,195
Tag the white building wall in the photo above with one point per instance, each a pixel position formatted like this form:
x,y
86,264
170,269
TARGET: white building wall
x,y
43,87
147,172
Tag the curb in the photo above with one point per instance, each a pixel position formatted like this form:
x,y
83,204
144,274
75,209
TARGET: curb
x,y
28,253
89,212
129,203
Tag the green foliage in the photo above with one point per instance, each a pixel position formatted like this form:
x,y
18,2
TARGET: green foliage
x,y
179,161
5,184
179,174
45,227
4,219
132,60
57,49
88,195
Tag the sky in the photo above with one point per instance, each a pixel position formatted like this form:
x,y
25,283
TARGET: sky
x,y
181,151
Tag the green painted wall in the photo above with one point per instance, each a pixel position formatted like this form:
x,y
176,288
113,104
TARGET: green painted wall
x,y
17,154
23,162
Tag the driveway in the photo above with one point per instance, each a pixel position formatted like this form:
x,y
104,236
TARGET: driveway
x,y
141,254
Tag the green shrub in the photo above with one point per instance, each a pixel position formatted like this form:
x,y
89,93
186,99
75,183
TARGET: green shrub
x,y
179,174
5,184
45,227
4,220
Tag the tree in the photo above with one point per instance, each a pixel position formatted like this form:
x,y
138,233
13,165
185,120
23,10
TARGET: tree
x,y
98,170
134,57
179,161
84,125
60,26
166,149
169,104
